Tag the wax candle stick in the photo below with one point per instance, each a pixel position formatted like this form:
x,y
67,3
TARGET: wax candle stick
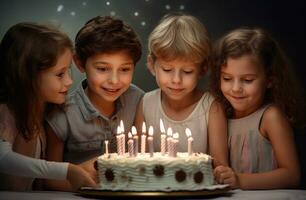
x,y
175,144
106,147
130,145
143,138
118,139
190,141
169,141
162,138
150,141
135,138
122,137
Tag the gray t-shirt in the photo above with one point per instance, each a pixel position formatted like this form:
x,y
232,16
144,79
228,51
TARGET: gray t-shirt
x,y
83,128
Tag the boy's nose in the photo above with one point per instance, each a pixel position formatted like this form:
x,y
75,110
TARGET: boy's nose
x,y
114,78
176,78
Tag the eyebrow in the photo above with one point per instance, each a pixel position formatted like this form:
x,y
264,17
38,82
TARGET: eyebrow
x,y
101,62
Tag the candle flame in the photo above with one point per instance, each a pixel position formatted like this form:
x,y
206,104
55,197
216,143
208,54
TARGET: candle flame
x,y
175,136
118,130
122,126
134,131
106,142
188,132
130,135
169,132
162,127
144,128
151,131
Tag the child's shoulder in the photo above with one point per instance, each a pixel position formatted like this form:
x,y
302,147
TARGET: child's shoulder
x,y
273,113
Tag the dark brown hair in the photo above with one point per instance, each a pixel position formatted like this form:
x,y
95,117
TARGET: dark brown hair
x,y
285,91
106,35
25,50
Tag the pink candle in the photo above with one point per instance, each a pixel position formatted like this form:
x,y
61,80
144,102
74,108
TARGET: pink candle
x,y
143,138
169,141
106,147
190,141
122,136
118,139
150,141
174,144
135,138
162,138
130,145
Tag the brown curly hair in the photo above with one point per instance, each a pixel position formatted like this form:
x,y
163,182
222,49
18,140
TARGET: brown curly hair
x,y
285,91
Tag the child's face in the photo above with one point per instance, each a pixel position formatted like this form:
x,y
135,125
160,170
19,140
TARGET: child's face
x,y
177,78
108,75
55,81
243,83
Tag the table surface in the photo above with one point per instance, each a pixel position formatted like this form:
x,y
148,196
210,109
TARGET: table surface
x,y
232,194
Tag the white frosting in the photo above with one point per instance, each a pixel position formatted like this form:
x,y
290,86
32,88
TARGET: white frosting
x,y
136,173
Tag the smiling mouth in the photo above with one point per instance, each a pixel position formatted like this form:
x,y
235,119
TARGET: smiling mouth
x,y
111,90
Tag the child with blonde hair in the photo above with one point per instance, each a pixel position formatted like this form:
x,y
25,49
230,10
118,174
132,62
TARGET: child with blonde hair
x,y
35,61
253,79
179,56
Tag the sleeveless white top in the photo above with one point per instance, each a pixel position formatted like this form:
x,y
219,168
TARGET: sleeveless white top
x,y
197,121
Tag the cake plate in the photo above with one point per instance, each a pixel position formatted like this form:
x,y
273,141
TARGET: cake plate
x,y
98,192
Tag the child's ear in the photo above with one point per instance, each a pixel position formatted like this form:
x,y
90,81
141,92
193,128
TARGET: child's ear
x,y
78,63
150,65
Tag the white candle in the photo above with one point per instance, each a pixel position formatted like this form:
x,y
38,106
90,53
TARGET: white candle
x,y
190,141
118,139
169,141
162,138
130,145
106,147
150,141
174,144
143,138
135,138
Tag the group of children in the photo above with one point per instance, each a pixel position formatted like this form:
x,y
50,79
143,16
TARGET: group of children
x,y
244,120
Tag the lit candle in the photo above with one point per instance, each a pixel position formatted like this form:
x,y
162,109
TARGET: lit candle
x,y
135,138
118,137
106,147
130,145
162,138
169,141
143,138
174,144
150,141
190,141
122,136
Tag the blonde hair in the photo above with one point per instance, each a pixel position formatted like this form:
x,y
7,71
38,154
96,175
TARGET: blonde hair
x,y
180,35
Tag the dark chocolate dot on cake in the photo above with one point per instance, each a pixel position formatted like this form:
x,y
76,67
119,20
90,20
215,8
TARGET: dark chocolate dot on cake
x,y
158,170
109,175
198,177
180,175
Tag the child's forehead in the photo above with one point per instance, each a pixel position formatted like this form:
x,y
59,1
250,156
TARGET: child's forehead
x,y
122,54
177,61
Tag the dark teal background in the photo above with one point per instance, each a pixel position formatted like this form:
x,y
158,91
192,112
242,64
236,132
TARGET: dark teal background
x,y
284,19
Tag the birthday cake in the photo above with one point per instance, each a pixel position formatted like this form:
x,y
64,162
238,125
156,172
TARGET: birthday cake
x,y
145,172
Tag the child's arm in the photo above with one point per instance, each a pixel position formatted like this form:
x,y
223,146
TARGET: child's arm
x,y
217,134
55,150
276,128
